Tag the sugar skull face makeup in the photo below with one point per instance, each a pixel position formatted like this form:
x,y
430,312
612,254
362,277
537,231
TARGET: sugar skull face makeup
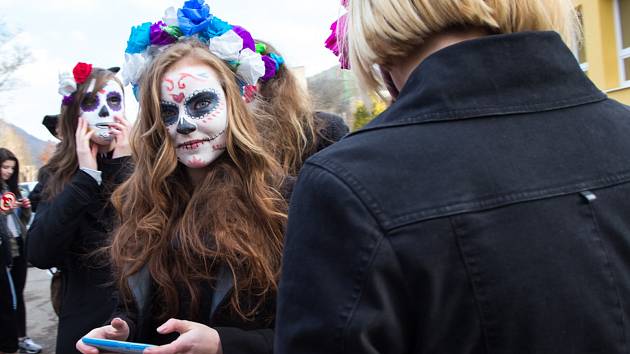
x,y
100,108
193,108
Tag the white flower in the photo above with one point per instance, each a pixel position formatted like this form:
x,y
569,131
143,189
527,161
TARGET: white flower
x,y
134,65
226,46
251,66
67,84
170,17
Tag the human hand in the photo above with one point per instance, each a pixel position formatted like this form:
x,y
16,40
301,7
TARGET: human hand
x,y
117,330
26,203
86,151
194,338
121,130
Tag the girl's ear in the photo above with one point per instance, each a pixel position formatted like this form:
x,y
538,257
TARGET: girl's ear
x,y
114,69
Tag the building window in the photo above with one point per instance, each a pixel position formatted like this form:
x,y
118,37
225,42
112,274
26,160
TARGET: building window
x,y
623,38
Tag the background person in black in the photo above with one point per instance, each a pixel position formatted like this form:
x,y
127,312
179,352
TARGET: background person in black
x,y
292,129
486,211
15,221
74,216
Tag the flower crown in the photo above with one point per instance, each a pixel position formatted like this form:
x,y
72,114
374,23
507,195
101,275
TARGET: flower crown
x,y
233,44
68,81
339,34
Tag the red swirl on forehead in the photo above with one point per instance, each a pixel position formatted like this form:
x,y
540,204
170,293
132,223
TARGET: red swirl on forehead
x,y
171,85
183,76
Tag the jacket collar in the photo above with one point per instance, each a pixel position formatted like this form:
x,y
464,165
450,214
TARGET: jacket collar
x,y
494,75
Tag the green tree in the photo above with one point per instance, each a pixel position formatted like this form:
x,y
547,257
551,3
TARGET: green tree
x,y
363,115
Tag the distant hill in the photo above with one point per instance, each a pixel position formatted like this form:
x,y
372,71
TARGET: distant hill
x,y
28,149
334,90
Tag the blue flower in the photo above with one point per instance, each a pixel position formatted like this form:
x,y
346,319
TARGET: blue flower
x,y
194,17
139,39
217,28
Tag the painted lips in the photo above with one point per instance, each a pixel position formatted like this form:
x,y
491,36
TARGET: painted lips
x,y
193,144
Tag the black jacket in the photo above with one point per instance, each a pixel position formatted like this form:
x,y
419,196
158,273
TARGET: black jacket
x,y
65,234
486,211
238,336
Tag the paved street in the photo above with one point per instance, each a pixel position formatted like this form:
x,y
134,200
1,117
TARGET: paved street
x,y
40,317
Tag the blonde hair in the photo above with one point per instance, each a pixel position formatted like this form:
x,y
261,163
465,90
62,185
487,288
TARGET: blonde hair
x,y
235,217
382,31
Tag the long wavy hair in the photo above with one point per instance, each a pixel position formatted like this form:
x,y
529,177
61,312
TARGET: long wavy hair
x,y
12,182
235,217
288,123
64,162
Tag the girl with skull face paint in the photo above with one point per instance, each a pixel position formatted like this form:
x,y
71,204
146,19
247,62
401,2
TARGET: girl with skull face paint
x,y
74,217
202,218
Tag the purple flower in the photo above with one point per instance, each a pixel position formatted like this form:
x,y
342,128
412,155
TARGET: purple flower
x,y
248,40
270,67
159,36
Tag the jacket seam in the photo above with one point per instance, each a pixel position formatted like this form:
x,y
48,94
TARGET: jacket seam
x,y
347,179
468,113
469,272
508,199
611,275
357,291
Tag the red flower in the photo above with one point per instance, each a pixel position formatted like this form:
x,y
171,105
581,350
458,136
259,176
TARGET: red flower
x,y
81,72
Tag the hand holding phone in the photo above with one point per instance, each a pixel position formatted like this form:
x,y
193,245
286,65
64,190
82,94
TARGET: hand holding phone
x,y
115,346
118,330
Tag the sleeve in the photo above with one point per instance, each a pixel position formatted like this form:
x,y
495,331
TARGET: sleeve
x,y
35,196
25,215
340,282
239,341
332,129
57,222
116,171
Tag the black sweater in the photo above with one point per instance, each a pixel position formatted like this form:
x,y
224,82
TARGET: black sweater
x,y
66,232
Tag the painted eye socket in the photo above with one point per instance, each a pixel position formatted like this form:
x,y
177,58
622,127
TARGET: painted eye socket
x,y
90,102
201,103
114,101
169,112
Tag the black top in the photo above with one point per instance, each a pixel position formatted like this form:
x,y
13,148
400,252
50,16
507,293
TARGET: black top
x,y
331,129
486,211
65,233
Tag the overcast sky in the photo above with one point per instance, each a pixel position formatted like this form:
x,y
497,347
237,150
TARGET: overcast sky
x,y
60,33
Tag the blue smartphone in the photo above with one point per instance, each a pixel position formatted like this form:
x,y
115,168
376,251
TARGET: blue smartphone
x,y
115,346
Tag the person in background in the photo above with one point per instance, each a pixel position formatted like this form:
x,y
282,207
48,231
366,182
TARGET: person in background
x,y
16,220
486,211
291,128
50,122
74,217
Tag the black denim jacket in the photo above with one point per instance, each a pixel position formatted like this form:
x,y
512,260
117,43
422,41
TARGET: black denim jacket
x,y
486,211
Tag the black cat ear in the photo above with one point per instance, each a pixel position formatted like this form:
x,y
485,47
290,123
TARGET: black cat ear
x,y
50,122
114,69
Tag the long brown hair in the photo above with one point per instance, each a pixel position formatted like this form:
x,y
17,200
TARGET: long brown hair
x,y
234,217
64,162
289,125
12,182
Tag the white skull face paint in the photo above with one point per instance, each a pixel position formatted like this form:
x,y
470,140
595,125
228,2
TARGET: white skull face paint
x,y
194,111
100,108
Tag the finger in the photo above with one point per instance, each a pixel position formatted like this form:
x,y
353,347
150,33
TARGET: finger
x,y
115,131
94,150
172,348
174,325
122,120
116,126
84,348
119,324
